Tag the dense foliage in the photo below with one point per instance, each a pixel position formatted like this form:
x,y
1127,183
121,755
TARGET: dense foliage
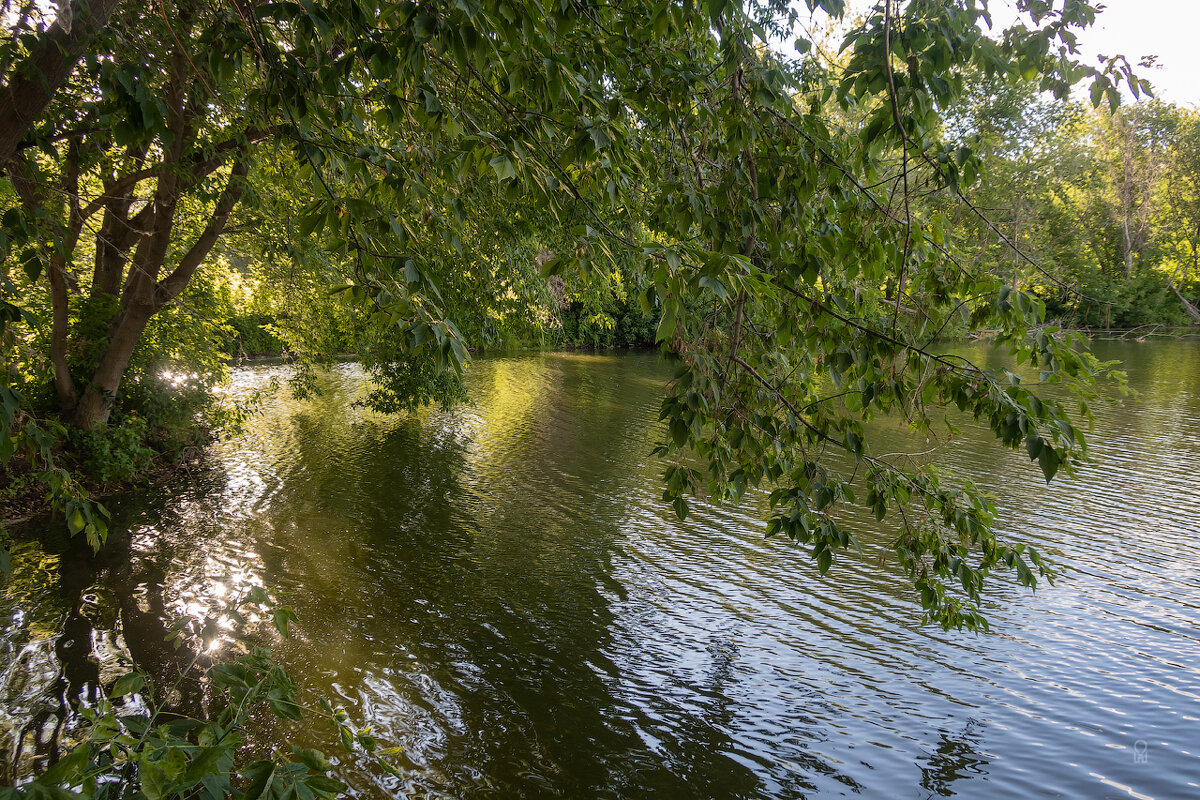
x,y
793,225
1101,203
413,180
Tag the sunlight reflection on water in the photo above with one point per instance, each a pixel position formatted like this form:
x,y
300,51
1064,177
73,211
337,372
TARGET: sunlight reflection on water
x,y
499,591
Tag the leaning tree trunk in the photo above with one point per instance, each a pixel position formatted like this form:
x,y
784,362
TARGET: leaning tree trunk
x,y
95,404
1187,304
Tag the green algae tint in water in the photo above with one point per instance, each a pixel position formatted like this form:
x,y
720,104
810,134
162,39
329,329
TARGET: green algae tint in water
x,y
499,591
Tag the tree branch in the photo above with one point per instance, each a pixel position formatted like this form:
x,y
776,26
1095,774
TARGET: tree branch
x,y
170,287
199,168
28,93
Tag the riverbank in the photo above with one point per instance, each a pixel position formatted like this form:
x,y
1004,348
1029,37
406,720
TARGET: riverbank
x,y
23,497
24,484
23,489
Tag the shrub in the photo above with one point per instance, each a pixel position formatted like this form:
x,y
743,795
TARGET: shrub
x,y
113,453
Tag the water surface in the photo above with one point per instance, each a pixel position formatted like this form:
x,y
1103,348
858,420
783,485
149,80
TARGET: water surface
x,y
499,590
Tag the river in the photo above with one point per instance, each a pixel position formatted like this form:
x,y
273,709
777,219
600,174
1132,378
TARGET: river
x,y
499,590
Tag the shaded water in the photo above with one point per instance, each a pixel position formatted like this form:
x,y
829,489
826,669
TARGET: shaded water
x,y
499,590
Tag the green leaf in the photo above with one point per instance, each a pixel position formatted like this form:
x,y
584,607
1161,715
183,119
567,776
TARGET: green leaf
x,y
666,325
281,616
68,770
128,684
1033,446
207,763
136,723
154,779
311,222
32,264
714,286
504,168
423,27
313,759
259,775
681,508
679,432
600,137
285,708
875,127
328,786
1049,461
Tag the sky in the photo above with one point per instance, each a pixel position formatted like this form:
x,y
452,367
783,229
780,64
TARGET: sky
x,y
1166,28
1169,29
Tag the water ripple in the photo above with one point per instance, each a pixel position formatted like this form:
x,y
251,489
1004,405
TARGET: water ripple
x,y
499,590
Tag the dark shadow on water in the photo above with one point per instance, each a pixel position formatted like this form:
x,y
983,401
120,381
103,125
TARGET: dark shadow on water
x,y
956,756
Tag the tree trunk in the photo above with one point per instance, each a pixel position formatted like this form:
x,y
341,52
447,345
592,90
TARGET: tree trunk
x,y
1187,305
1016,242
61,243
96,403
1128,247
60,283
34,82
60,301
144,296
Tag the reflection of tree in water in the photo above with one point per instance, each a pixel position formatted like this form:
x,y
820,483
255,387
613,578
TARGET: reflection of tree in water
x,y
454,579
503,578
704,757
66,638
956,756
453,575
37,649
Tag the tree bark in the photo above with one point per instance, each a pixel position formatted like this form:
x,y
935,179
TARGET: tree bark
x,y
63,239
116,229
34,82
170,286
144,297
96,403
1017,242
1187,304
1128,246
60,285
